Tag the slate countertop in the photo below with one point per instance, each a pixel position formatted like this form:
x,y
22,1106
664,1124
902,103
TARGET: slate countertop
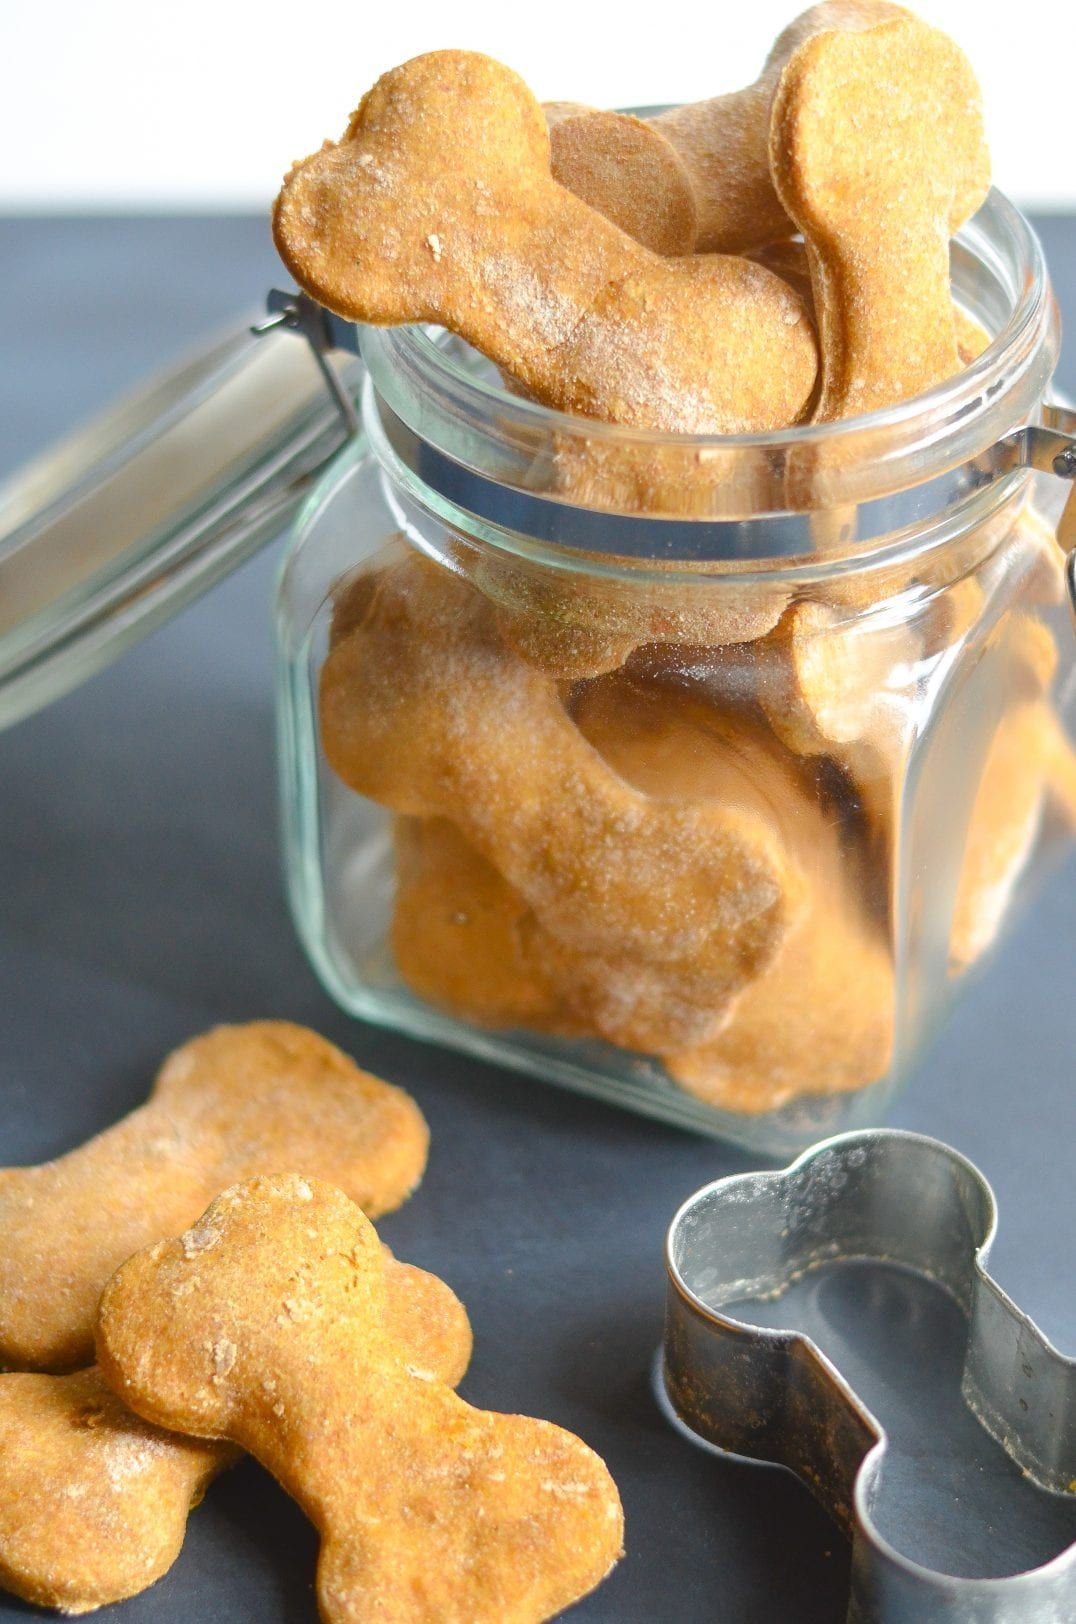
x,y
141,901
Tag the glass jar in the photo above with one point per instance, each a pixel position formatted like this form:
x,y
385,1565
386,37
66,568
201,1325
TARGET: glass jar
x,y
693,773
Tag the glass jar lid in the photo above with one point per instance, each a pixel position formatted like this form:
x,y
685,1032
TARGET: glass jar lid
x,y
131,517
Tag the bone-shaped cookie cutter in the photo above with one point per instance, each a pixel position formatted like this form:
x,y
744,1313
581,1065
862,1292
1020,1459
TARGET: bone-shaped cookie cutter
x,y
773,1395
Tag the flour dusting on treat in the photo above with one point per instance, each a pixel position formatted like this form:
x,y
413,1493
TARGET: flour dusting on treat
x,y
94,1501
238,1101
427,1508
453,145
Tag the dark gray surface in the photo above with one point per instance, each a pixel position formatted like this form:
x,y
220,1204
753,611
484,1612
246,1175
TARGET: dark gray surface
x,y
140,900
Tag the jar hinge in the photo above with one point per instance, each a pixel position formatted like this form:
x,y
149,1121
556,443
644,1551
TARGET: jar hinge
x,y
1052,449
323,332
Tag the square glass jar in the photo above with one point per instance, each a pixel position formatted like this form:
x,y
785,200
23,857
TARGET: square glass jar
x,y
692,773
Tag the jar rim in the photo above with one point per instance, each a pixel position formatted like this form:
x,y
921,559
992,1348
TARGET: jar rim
x,y
495,455
417,346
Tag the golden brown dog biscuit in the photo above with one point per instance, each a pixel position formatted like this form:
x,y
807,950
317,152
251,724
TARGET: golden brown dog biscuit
x,y
878,155
94,1501
724,142
843,686
628,171
438,205
239,1100
267,1328
425,710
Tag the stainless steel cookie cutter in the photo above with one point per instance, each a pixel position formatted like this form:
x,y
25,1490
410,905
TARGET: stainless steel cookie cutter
x,y
773,1395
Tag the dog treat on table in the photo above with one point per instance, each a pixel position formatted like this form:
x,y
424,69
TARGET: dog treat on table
x,y
94,1501
877,153
237,1101
270,1332
438,205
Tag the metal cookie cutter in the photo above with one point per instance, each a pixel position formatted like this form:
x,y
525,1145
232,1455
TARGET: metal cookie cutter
x,y
966,1449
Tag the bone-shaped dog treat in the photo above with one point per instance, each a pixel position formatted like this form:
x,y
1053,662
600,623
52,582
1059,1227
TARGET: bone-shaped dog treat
x,y
438,205
820,1018
427,1508
877,153
237,1101
424,709
94,1501
704,165
628,171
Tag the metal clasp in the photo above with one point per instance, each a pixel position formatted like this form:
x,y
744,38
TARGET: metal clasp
x,y
323,331
1051,448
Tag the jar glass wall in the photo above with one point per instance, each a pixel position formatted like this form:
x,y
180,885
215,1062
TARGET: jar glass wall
x,y
696,774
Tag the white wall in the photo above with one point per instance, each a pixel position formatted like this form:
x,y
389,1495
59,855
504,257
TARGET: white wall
x,y
203,103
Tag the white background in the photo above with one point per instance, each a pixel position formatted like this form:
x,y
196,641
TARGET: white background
x,y
131,104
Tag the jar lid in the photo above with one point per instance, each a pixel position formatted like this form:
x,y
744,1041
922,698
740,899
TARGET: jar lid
x,y
123,523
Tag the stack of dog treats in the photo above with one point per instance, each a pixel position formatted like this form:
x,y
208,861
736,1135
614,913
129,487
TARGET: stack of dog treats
x,y
671,817
271,1321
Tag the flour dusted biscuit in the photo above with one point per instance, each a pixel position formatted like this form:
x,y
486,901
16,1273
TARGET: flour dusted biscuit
x,y
426,1507
236,1101
841,686
94,1501
425,710
438,205
674,744
878,155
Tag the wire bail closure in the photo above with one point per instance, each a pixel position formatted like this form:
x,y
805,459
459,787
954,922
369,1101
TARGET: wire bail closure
x,y
298,313
1048,447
